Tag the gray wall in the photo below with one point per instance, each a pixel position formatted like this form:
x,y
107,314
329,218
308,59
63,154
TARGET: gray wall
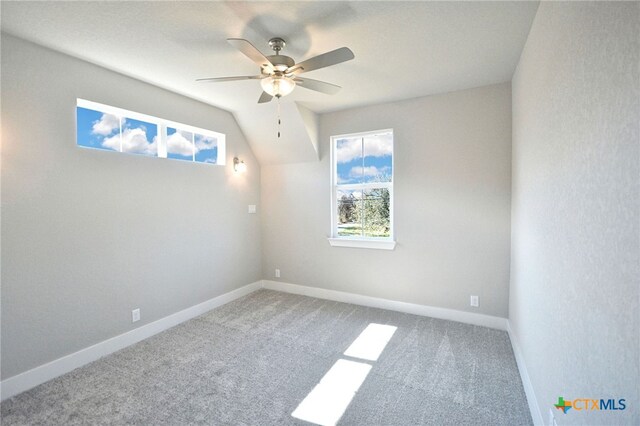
x,y
89,235
576,248
452,206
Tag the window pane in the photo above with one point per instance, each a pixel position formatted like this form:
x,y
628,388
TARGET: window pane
x,y
378,150
206,149
139,137
179,144
376,213
349,161
97,130
349,213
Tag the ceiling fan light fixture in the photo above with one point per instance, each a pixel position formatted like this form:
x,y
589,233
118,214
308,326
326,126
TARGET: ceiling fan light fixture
x,y
278,85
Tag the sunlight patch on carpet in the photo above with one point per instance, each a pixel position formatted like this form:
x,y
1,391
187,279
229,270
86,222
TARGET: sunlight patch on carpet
x,y
329,399
371,342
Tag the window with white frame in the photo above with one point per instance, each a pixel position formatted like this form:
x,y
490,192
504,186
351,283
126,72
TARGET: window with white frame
x,y
114,129
362,187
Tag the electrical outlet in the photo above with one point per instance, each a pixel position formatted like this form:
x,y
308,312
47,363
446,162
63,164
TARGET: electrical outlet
x,y
135,315
277,273
252,208
474,301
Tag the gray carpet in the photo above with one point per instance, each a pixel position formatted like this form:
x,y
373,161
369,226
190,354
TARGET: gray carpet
x,y
252,361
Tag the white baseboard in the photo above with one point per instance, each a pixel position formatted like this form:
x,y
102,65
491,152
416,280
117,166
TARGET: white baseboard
x,y
392,305
534,408
29,379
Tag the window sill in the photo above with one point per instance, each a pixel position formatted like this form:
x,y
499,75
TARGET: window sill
x,y
368,244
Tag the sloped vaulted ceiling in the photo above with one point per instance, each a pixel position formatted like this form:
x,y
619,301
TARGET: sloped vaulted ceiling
x,y
402,49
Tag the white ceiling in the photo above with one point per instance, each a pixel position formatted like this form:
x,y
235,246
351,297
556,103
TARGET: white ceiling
x,y
402,50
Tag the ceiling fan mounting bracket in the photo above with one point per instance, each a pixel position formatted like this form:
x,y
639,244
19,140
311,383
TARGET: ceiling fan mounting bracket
x,y
277,44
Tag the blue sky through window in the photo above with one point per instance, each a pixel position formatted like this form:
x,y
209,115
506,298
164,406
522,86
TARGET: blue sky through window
x,y
364,159
206,149
89,137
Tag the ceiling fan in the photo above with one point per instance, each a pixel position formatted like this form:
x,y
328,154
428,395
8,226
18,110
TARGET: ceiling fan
x,y
279,73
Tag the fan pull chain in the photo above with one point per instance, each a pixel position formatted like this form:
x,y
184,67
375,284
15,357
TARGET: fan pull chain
x,y
279,122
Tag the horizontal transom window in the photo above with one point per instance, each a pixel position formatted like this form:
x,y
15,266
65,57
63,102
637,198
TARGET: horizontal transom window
x,y
114,129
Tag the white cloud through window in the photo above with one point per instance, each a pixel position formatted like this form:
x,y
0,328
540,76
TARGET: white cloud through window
x,y
374,146
369,171
106,125
205,142
133,140
180,143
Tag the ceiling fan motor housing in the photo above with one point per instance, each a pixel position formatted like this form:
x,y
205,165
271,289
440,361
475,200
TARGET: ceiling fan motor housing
x,y
281,62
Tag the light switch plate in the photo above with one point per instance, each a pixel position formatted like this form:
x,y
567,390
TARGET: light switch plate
x,y
252,208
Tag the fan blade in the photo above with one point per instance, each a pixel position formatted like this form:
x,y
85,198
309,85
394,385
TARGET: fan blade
x,y
325,60
251,52
265,97
219,79
318,86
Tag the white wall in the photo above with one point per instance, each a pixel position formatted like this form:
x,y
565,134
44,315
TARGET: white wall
x,y
576,239
89,235
452,206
